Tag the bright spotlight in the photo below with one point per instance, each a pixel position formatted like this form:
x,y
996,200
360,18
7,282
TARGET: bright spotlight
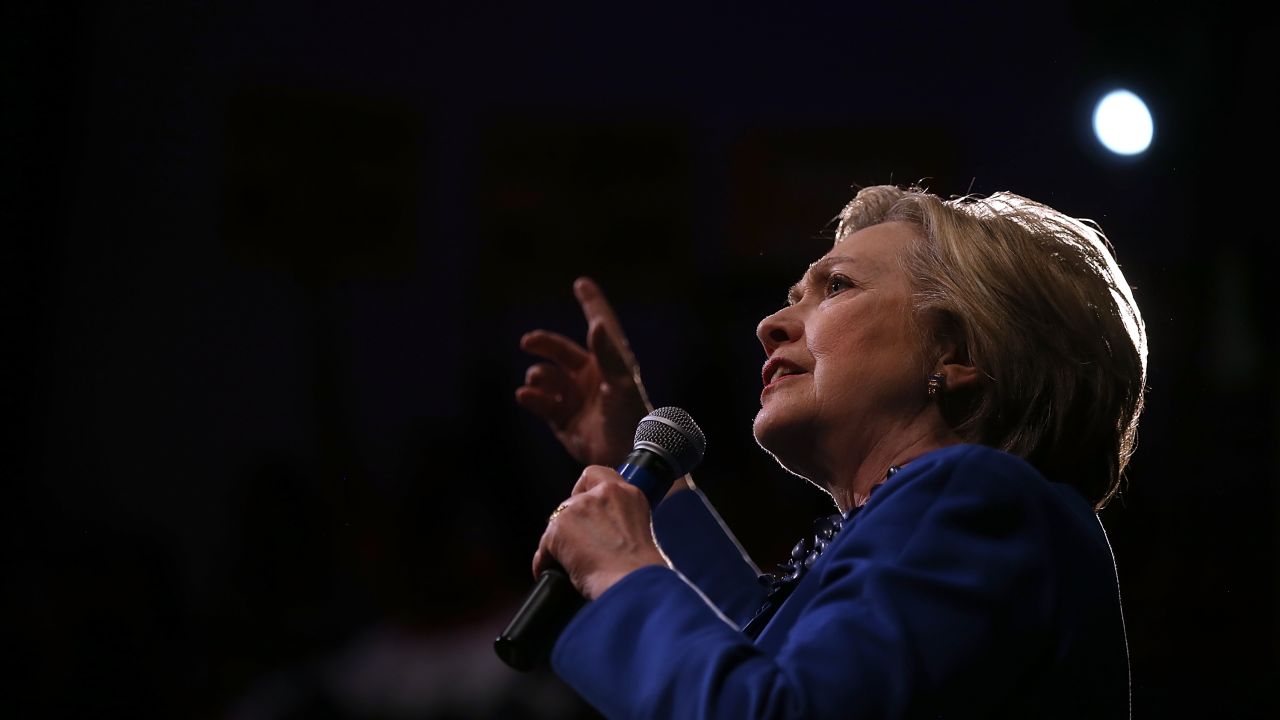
x,y
1123,123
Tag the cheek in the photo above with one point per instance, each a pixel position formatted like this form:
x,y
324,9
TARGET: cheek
x,y
861,359
826,337
841,349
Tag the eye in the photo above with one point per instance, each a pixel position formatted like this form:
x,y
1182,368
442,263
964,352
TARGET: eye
x,y
837,284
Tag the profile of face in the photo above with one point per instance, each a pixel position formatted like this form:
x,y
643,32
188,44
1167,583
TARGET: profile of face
x,y
844,357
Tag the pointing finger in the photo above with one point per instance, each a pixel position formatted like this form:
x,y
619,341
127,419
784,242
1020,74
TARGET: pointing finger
x,y
595,306
615,362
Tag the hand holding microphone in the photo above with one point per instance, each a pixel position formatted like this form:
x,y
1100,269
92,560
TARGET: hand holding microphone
x,y
601,533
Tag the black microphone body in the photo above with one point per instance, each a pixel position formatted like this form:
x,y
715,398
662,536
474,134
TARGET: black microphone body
x,y
668,445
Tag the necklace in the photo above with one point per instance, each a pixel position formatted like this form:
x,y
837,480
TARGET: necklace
x,y
803,555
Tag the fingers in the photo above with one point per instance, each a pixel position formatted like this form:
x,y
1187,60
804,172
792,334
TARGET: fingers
x,y
593,476
594,304
615,362
541,561
542,558
549,393
598,535
599,313
605,338
549,378
548,406
554,347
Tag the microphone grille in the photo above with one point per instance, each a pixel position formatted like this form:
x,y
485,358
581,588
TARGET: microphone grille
x,y
673,430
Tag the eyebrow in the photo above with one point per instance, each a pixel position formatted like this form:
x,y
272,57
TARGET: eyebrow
x,y
795,292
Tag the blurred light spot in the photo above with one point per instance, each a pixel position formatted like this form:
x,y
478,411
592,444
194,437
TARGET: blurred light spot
x,y
1123,123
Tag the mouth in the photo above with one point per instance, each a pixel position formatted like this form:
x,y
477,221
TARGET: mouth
x,y
777,369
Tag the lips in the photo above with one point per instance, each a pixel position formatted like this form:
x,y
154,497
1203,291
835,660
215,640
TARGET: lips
x,y
778,368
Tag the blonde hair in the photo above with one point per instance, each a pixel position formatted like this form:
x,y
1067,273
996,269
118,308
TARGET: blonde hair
x,y
1039,305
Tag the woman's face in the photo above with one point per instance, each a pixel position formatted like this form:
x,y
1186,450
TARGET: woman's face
x,y
844,359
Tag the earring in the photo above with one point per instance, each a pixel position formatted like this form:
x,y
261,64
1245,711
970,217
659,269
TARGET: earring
x,y
936,382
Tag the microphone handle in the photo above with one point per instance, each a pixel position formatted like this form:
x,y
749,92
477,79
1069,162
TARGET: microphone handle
x,y
531,634
528,638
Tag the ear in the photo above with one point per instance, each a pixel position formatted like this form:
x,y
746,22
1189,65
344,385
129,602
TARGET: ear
x,y
956,367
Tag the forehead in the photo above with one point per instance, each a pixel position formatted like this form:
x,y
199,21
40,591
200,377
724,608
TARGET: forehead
x,y
870,255
878,246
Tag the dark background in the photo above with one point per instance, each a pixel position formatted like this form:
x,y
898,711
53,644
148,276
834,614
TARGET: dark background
x,y
266,268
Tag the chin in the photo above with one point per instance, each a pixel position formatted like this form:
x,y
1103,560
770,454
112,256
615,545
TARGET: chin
x,y
788,441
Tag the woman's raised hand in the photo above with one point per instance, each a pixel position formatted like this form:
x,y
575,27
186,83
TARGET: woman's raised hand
x,y
591,397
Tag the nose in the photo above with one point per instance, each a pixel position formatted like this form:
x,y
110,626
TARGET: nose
x,y
780,328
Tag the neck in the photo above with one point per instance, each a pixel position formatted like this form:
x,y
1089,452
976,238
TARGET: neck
x,y
852,487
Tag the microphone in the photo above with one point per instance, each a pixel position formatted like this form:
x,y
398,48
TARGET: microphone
x,y
668,444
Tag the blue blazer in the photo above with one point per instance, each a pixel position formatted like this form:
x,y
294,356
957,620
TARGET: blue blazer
x,y
968,586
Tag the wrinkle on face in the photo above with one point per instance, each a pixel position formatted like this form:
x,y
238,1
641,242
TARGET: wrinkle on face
x,y
863,353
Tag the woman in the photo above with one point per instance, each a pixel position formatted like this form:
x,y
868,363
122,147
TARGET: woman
x,y
964,377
